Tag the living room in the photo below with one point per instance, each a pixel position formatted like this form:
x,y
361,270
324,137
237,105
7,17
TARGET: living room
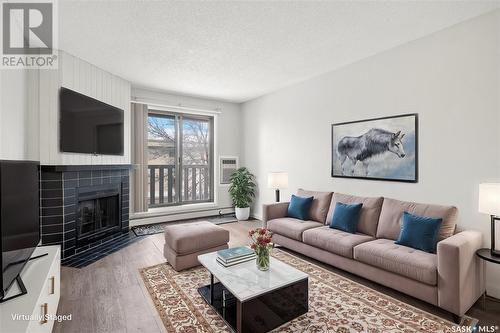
x,y
241,166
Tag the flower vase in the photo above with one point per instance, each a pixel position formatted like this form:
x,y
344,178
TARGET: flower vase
x,y
263,259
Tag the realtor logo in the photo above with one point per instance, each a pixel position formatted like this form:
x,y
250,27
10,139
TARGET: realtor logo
x,y
28,35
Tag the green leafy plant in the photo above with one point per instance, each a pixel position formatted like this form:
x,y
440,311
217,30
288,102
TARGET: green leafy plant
x,y
242,188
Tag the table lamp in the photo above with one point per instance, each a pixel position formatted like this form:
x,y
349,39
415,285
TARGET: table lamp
x,y
277,181
489,203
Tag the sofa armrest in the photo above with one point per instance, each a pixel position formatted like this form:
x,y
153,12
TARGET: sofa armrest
x,y
460,271
274,211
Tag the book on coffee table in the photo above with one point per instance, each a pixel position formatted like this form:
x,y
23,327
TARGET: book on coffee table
x,y
235,262
235,254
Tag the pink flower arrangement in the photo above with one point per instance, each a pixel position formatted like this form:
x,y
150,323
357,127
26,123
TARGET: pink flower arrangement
x,y
261,238
261,244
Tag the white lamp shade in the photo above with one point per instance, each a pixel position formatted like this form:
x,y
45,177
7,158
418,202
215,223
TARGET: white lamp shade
x,y
489,198
277,180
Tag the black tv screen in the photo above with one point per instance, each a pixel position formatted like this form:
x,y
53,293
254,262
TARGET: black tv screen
x,y
19,217
89,126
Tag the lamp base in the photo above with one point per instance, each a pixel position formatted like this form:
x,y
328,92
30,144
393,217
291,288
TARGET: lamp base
x,y
494,252
277,195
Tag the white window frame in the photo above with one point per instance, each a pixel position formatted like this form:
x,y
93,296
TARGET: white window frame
x,y
168,110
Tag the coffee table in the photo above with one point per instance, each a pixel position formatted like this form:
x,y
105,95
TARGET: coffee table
x,y
263,300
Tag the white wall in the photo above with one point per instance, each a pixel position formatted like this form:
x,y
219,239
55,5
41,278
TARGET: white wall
x,y
450,78
228,140
12,113
17,115
85,78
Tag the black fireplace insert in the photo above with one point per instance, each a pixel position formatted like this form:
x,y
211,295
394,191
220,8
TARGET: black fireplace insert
x,y
99,212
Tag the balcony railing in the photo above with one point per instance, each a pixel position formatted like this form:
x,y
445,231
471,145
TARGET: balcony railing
x,y
163,186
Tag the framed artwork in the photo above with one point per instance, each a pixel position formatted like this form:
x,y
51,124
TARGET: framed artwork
x,y
377,149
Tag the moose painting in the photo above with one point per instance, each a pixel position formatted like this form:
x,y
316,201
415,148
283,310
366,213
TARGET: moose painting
x,y
380,149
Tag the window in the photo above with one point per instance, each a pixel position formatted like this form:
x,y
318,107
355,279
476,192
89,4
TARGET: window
x,y
180,159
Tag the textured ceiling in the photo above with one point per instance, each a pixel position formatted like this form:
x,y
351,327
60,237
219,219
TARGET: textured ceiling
x,y
237,51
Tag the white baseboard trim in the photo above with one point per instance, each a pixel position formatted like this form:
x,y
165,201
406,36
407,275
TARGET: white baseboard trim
x,y
257,217
493,291
143,219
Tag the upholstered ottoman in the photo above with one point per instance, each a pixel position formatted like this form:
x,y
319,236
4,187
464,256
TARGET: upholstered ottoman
x,y
184,242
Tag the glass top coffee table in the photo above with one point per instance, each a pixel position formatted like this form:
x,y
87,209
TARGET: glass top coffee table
x,y
250,300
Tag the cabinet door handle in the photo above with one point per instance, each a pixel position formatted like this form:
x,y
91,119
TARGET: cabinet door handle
x,y
52,285
45,311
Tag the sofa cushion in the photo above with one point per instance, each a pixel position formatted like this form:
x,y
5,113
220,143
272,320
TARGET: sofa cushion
x,y
299,207
290,227
389,225
333,240
370,212
383,253
320,205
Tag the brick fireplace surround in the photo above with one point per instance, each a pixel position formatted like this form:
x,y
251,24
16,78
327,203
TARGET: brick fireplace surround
x,y
59,188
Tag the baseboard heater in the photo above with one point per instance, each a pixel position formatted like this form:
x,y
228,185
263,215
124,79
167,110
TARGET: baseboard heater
x,y
182,215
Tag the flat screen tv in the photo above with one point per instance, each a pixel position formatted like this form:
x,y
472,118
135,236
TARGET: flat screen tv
x,y
19,217
89,126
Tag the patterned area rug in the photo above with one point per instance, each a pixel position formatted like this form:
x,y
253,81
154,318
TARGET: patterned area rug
x,y
336,304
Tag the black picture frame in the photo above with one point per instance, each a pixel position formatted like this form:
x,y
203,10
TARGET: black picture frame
x,y
416,159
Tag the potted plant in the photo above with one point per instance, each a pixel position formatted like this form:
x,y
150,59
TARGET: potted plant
x,y
242,192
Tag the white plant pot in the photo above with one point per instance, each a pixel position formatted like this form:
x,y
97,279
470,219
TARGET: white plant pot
x,y
242,214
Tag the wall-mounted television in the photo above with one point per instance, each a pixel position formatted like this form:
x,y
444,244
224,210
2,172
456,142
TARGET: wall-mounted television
x,y
19,217
89,126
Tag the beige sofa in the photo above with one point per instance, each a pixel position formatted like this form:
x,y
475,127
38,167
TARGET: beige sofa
x,y
451,279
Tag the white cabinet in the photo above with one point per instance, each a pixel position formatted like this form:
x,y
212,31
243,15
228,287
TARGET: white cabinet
x,y
28,313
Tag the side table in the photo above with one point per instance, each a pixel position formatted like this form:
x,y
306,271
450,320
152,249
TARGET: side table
x,y
486,255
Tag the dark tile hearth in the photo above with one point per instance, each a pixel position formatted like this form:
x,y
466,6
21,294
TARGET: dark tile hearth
x,y
82,207
100,251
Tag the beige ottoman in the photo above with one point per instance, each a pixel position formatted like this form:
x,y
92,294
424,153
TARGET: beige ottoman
x,y
185,242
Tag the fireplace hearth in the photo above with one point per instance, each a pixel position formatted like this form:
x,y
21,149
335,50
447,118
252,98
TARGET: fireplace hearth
x,y
83,207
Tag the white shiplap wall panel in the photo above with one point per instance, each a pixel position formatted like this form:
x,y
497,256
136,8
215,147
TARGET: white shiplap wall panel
x,y
33,119
49,115
54,115
44,119
85,78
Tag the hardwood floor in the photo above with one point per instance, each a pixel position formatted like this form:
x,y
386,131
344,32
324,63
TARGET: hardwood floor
x,y
109,295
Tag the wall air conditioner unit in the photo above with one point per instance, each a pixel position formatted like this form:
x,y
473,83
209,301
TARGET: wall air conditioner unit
x,y
228,165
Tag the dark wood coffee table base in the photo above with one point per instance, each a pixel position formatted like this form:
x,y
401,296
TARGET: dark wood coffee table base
x,y
263,313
